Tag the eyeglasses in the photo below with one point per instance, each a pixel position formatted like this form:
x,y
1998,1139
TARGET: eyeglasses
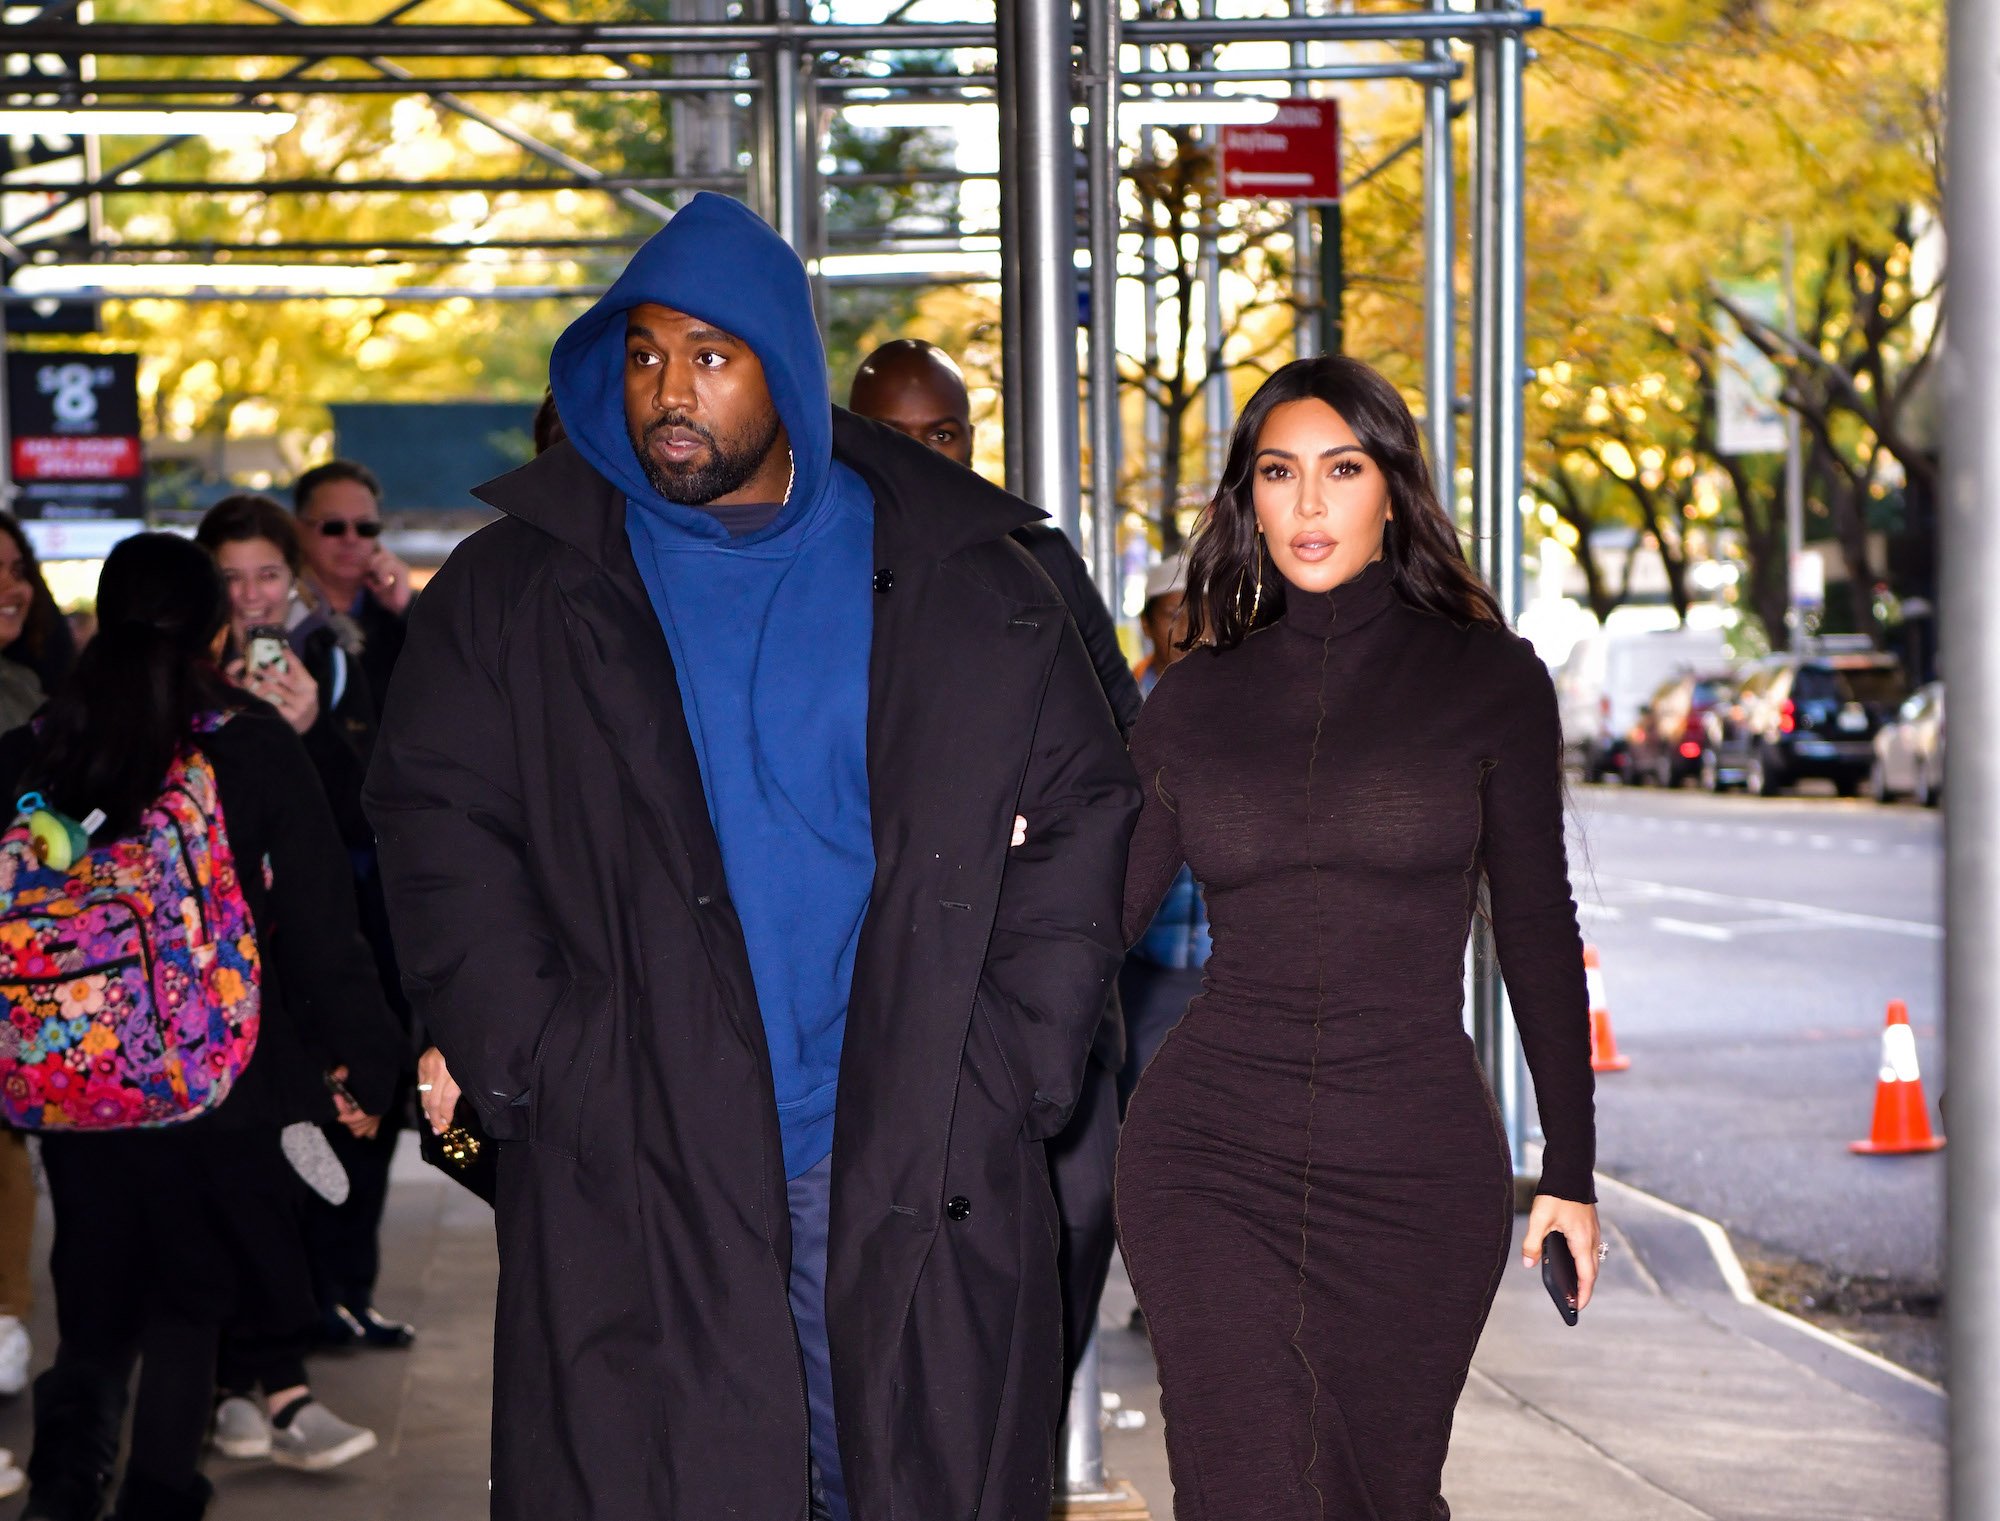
x,y
336,528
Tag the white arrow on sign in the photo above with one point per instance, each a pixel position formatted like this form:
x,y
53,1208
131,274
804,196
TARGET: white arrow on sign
x,y
1269,177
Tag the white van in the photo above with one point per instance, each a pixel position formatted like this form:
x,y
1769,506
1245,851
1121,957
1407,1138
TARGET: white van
x,y
1609,677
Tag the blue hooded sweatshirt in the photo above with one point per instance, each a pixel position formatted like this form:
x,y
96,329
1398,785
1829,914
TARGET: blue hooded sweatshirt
x,y
770,634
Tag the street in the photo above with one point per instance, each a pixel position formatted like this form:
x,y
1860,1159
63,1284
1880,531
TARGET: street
x,y
1750,947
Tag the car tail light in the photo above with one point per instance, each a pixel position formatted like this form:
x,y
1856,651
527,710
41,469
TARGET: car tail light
x,y
1788,719
1690,750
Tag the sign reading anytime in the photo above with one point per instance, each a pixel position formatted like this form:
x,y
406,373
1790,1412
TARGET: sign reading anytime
x,y
1293,157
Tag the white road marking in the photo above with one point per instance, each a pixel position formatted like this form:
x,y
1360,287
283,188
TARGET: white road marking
x,y
1690,928
1805,915
1820,841
1602,911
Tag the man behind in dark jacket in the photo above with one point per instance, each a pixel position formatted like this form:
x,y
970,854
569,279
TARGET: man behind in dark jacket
x,y
918,389
755,833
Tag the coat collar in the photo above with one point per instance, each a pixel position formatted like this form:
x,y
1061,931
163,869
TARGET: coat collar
x,y
925,505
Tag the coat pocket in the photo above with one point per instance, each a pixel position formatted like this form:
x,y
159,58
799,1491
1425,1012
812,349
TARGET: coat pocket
x,y
558,1101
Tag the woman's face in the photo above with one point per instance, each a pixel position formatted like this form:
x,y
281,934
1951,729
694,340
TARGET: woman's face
x,y
1321,502
259,582
17,590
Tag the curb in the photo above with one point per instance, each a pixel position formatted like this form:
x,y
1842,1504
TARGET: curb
x,y
1691,1259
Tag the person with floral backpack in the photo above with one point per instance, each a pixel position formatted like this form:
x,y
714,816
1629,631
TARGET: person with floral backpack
x,y
180,969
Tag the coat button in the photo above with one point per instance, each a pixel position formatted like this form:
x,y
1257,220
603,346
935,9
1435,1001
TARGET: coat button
x,y
958,1207
884,580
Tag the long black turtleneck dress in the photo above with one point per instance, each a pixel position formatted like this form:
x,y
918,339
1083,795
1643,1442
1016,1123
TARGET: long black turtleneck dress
x,y
1314,1193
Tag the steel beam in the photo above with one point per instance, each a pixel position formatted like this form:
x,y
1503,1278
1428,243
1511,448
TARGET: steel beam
x,y
1971,561
1106,443
566,39
1044,181
1013,409
1440,195
1498,320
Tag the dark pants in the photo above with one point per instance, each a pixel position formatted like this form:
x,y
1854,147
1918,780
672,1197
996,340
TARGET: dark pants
x,y
345,1239
158,1242
1082,1162
1155,998
808,1197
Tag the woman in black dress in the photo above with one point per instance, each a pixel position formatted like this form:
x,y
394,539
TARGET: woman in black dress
x,y
1314,1193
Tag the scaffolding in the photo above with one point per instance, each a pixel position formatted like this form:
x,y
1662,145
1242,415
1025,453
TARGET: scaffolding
x,y
1060,74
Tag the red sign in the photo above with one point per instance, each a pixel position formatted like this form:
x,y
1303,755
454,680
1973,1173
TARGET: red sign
x,y
1293,157
87,458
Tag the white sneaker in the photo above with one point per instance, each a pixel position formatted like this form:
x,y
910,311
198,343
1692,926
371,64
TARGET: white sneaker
x,y
317,1440
12,1480
242,1430
16,1353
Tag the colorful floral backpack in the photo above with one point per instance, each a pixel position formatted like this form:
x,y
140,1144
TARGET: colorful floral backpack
x,y
128,971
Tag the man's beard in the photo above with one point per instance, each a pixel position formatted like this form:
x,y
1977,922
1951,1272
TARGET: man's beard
x,y
724,469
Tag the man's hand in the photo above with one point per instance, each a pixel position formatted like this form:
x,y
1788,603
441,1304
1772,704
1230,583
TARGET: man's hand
x,y
389,580
436,1090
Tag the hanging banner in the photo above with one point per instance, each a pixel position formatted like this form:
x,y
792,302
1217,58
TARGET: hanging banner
x,y
73,420
1748,417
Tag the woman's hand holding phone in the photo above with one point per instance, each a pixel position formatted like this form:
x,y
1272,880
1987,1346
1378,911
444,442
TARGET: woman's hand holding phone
x,y
286,685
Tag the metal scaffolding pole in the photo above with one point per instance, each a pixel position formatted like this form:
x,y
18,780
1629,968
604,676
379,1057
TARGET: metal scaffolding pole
x,y
1971,561
1305,321
1497,321
1013,410
1440,293
1106,442
624,39
1043,182
783,108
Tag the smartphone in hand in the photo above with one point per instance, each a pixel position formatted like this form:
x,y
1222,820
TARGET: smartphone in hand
x,y
1559,1274
265,649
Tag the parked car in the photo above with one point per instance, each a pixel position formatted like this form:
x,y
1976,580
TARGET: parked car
x,y
1909,750
1671,737
1797,716
1607,679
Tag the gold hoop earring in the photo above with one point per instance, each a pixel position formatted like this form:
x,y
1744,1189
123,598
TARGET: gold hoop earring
x,y
1257,598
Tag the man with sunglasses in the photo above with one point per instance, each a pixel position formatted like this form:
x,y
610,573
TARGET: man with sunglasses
x,y
339,507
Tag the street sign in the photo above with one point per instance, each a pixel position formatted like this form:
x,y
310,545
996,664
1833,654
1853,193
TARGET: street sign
x,y
1293,157
73,422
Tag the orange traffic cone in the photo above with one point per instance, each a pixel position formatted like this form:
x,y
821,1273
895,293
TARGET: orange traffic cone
x,y
1604,1055
1902,1118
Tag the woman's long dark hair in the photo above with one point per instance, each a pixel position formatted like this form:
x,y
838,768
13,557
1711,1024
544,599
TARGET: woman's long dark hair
x,y
109,735
37,628
1420,543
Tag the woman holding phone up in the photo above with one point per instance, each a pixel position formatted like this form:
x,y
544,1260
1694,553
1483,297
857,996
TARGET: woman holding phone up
x,y
1314,1194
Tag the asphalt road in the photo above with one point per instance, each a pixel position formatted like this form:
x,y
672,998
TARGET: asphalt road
x,y
1750,948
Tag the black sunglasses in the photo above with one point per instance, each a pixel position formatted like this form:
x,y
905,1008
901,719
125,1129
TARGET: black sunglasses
x,y
336,528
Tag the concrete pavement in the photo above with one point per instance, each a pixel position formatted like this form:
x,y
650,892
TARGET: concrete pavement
x,y
1672,1400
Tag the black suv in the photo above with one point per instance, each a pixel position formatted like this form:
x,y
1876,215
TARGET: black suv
x,y
1803,715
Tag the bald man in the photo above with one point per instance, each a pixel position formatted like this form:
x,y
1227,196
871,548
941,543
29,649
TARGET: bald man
x,y
918,389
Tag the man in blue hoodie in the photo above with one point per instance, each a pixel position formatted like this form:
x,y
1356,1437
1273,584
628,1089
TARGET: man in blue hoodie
x,y
697,796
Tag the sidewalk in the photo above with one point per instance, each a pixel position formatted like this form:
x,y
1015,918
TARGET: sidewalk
x,y
1672,1401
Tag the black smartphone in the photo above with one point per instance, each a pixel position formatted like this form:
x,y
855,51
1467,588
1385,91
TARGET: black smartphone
x,y
1559,1274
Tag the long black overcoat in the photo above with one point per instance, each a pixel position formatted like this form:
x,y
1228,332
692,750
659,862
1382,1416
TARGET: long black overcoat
x,y
567,935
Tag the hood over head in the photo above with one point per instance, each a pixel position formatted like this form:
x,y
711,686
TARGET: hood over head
x,y
717,261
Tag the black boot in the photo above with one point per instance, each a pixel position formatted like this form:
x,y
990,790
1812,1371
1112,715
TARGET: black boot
x,y
79,1409
144,1499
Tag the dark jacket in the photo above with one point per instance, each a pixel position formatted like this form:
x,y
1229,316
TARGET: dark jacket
x,y
321,1005
566,931
382,636
1064,566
